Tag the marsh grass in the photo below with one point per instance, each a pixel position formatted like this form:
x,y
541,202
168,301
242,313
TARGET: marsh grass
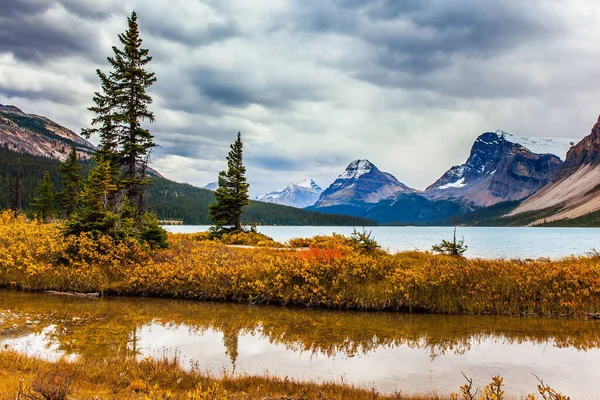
x,y
23,377
126,378
331,273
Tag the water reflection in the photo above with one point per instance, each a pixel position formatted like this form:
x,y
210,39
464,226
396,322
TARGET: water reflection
x,y
412,353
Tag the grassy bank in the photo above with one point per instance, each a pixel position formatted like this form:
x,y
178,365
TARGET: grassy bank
x,y
23,377
126,378
332,273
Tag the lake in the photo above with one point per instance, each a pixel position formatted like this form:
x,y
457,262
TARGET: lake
x,y
385,351
483,242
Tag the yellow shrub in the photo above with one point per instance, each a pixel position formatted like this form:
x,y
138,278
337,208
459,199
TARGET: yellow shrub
x,y
331,273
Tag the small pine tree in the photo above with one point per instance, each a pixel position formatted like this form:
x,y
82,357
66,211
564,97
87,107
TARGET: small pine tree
x,y
452,248
71,179
16,192
232,194
43,203
97,215
94,214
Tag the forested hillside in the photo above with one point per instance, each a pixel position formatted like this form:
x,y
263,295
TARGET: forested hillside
x,y
168,199
172,200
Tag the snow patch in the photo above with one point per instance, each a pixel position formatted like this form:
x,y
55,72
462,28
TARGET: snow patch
x,y
212,186
541,145
356,169
458,184
309,183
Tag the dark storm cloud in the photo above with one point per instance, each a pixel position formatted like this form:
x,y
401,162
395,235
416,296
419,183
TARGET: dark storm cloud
x,y
412,39
28,33
208,143
64,98
20,8
242,88
89,9
215,32
272,163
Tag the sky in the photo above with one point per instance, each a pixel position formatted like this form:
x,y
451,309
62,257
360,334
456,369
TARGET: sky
x,y
315,84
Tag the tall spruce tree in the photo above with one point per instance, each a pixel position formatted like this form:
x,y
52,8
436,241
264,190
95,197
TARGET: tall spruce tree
x,y
16,191
70,169
120,110
113,198
43,203
232,194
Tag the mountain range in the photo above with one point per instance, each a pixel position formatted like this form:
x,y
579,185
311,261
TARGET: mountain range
x,y
31,145
501,168
506,180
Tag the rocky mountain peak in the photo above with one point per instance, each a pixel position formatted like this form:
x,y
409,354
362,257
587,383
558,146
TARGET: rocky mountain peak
x,y
357,168
11,108
308,183
587,151
361,182
499,168
212,186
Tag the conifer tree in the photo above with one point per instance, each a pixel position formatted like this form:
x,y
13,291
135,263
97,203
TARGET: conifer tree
x,y
16,191
232,194
43,203
113,198
120,110
95,214
71,179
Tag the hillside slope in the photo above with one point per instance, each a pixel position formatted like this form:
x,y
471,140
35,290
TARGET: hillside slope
x,y
38,135
170,200
575,191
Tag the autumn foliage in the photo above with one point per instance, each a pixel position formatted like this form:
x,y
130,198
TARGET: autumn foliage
x,y
327,272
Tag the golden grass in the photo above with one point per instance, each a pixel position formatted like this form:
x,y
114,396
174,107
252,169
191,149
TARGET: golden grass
x,y
22,377
332,273
121,378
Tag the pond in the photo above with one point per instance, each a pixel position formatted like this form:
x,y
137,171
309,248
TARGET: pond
x,y
386,351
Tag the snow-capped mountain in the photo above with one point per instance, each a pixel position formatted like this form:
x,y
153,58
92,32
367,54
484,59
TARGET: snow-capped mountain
x,y
299,195
212,186
501,167
361,182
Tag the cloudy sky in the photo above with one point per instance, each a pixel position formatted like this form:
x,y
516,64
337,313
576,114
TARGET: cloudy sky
x,y
315,84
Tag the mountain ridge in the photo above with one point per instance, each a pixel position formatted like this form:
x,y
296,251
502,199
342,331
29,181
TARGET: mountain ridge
x,y
39,135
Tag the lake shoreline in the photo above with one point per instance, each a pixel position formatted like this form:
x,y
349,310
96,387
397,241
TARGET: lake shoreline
x,y
163,378
335,272
489,243
306,346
